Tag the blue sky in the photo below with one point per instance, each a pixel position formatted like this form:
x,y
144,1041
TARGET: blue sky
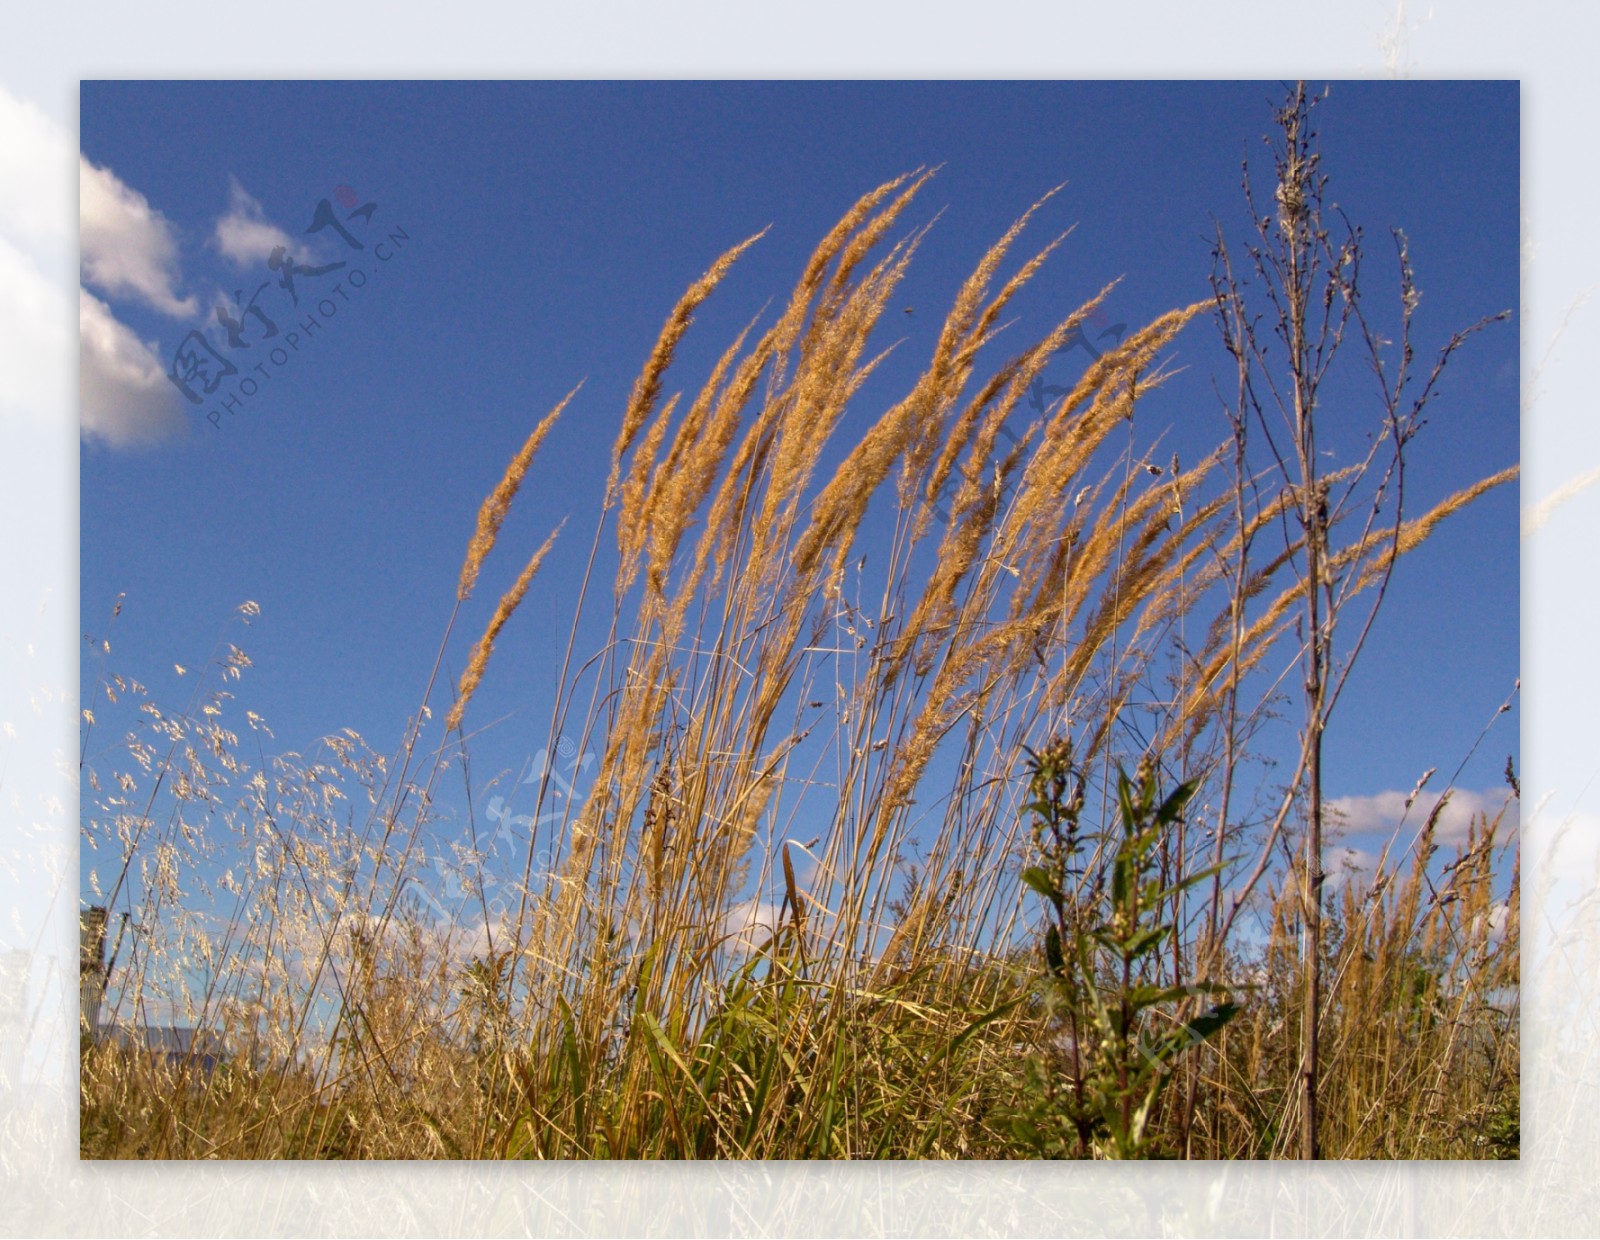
x,y
538,233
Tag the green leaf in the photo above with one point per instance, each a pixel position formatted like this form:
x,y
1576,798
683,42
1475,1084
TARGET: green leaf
x,y
1144,941
1148,996
569,1045
642,985
1052,951
1122,880
1036,877
659,1035
1208,1023
1130,814
1172,807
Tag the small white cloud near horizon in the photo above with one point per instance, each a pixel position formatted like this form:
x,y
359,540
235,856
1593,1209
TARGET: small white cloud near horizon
x,y
124,396
1384,812
246,237
127,247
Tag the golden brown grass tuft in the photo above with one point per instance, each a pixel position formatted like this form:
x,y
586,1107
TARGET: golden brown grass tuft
x,y
509,602
784,916
498,503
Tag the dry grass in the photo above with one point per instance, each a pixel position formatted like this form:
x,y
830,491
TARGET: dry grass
x,y
787,922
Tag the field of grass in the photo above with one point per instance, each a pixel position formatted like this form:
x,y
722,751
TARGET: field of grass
x,y
940,852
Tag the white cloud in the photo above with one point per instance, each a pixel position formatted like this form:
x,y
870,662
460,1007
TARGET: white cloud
x,y
1341,865
1563,852
36,276
245,236
127,247
33,177
748,926
1386,811
1574,849
124,395
35,340
1499,917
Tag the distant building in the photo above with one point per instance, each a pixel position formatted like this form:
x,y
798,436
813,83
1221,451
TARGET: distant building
x,y
175,1045
91,967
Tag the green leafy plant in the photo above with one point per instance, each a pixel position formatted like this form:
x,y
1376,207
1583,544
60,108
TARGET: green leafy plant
x,y
1121,1025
